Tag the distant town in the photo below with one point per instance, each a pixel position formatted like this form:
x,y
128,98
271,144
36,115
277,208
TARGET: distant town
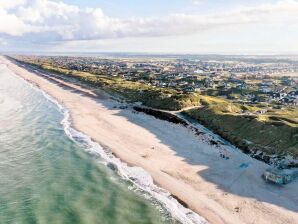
x,y
267,80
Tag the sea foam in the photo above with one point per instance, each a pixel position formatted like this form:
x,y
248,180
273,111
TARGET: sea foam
x,y
136,175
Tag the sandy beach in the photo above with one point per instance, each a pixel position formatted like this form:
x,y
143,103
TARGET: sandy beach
x,y
187,165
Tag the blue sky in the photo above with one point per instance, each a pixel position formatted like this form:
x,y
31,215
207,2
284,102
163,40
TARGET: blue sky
x,y
163,26
128,8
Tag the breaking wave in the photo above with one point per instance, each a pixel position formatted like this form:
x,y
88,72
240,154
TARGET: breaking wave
x,y
136,175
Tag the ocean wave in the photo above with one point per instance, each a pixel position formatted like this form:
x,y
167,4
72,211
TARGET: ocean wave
x,y
136,175
10,105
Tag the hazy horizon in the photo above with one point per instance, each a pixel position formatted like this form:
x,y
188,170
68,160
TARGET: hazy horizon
x,y
74,53
168,27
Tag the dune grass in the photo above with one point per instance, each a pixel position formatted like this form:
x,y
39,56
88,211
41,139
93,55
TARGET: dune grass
x,y
274,132
160,98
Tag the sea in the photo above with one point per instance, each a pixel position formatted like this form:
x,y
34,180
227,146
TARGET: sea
x,y
50,173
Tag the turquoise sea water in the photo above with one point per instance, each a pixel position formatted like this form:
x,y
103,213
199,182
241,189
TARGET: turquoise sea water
x,y
45,177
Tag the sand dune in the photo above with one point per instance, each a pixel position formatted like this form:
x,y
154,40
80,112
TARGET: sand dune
x,y
188,166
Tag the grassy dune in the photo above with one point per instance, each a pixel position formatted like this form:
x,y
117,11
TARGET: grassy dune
x,y
275,132
160,98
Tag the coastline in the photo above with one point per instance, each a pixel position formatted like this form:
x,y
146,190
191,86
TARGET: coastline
x,y
138,140
136,175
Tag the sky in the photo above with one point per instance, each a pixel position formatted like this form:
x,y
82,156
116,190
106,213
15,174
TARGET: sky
x,y
155,26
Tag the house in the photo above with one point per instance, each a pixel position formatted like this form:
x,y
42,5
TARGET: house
x,y
278,176
289,100
278,95
265,90
189,89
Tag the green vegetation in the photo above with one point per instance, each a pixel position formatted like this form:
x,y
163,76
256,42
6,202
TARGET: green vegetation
x,y
274,132
250,127
161,98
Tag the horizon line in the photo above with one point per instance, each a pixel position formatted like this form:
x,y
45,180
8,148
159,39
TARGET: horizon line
x,y
156,53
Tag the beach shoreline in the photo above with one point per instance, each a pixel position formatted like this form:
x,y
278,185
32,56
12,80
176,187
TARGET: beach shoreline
x,y
143,141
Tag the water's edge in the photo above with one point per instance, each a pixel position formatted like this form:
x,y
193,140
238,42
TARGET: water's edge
x,y
136,175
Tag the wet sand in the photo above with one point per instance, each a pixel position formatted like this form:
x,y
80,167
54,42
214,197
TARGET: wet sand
x,y
187,165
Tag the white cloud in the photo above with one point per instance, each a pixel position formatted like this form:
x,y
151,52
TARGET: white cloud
x,y
10,24
47,20
7,4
